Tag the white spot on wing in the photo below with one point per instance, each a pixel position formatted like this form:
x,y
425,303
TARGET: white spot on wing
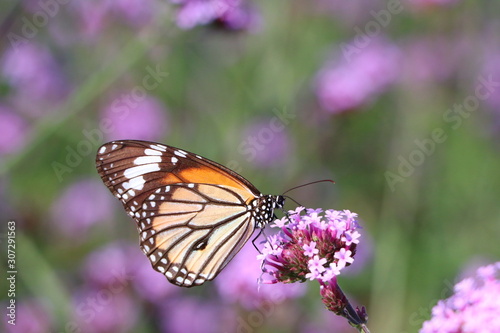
x,y
140,170
159,147
152,152
180,153
147,160
102,150
136,183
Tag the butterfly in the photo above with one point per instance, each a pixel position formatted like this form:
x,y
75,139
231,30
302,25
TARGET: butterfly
x,y
193,215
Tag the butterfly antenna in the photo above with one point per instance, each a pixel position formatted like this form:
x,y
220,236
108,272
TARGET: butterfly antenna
x,y
286,196
296,187
315,182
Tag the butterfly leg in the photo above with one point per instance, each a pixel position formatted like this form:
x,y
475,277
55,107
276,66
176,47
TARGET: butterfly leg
x,y
261,231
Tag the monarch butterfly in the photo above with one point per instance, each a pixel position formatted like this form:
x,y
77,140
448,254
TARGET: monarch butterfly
x,y
193,215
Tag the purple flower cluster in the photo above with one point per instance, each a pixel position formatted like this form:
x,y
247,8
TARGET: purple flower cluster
x,y
316,245
311,246
474,307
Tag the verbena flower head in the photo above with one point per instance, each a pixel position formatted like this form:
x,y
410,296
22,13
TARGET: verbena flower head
x,y
312,245
474,307
316,245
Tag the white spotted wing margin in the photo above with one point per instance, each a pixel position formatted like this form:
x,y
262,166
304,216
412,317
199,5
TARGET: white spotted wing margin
x,y
193,215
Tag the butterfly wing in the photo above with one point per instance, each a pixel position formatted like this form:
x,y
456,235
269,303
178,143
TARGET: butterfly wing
x,y
193,214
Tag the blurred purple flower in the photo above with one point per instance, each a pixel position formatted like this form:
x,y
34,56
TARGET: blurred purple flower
x,y
142,119
104,310
265,144
230,14
31,317
112,265
82,205
13,131
194,315
239,282
35,76
473,308
122,265
364,73
92,16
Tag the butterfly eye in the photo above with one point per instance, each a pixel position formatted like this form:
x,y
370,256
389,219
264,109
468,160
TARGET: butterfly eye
x,y
191,213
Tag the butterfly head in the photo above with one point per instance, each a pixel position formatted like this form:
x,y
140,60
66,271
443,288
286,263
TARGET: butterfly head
x,y
265,206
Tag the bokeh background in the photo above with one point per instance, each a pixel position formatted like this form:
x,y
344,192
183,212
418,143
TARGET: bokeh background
x,y
397,101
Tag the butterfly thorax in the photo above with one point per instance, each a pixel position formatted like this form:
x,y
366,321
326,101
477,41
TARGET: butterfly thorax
x,y
264,208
